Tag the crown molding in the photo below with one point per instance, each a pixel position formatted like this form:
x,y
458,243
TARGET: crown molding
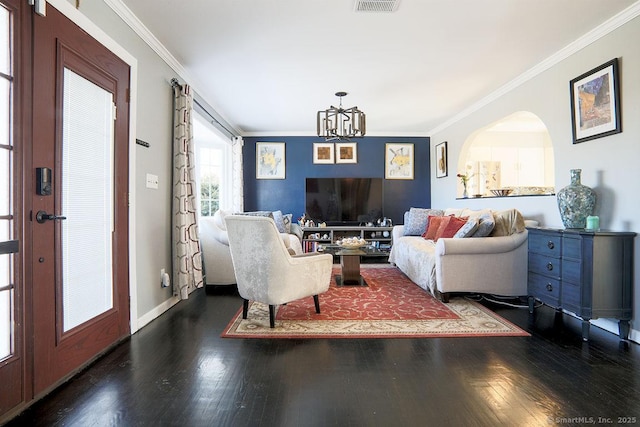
x,y
597,33
147,36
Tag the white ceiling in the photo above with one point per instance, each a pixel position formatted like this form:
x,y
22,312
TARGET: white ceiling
x,y
267,66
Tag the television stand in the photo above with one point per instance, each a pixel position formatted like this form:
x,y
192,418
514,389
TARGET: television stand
x,y
312,237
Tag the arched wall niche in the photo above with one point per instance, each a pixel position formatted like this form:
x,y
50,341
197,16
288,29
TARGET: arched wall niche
x,y
514,153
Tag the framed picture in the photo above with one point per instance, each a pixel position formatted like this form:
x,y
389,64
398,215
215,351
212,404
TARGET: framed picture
x,y
595,103
441,160
270,160
346,152
398,161
323,153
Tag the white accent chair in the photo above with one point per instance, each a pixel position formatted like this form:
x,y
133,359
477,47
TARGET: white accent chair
x,y
215,249
265,270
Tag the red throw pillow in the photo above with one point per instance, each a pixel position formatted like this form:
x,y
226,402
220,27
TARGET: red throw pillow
x,y
432,227
451,227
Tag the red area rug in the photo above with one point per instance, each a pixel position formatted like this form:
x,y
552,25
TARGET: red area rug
x,y
391,306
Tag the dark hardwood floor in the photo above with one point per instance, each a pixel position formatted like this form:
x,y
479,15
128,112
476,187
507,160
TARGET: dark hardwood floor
x,y
178,371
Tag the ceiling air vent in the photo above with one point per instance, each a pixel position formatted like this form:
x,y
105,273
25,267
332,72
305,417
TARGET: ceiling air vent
x,y
376,5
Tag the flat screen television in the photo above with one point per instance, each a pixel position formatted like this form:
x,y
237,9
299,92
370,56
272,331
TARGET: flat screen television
x,y
344,201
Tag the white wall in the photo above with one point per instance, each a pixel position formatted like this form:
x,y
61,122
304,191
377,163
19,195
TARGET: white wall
x,y
609,165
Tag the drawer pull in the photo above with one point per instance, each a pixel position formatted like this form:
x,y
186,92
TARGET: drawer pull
x,y
550,244
549,266
549,287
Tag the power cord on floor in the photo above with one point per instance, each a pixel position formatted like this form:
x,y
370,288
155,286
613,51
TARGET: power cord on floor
x,y
495,299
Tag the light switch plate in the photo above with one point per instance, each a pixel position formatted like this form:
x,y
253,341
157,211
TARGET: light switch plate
x,y
152,181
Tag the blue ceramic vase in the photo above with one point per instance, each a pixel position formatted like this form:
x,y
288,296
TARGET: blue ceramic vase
x,y
576,202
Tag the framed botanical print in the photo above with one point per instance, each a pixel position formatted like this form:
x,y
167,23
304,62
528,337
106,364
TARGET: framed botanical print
x,y
346,152
398,161
323,152
270,160
441,160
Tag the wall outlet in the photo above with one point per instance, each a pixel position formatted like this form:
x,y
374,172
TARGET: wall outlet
x,y
164,279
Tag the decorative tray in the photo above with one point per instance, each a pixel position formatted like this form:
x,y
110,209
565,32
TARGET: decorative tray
x,y
351,243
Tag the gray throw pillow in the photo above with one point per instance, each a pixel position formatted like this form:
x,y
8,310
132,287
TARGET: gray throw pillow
x,y
485,225
287,219
468,229
416,221
278,218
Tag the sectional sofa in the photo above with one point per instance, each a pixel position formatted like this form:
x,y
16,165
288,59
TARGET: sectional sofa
x,y
491,262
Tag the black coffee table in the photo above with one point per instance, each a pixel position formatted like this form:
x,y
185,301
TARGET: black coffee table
x,y
350,262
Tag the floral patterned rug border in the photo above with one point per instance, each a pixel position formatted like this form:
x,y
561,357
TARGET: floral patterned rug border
x,y
458,318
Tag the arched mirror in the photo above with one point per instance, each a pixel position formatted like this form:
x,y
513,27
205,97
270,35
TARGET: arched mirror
x,y
513,156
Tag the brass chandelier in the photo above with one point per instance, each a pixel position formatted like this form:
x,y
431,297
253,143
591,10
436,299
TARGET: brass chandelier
x,y
341,123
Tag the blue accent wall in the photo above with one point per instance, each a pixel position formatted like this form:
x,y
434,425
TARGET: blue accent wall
x,y
287,194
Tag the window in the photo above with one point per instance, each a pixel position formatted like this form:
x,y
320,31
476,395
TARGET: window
x,y
213,157
8,246
515,153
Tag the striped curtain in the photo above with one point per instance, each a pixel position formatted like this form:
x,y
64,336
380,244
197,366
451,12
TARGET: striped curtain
x,y
237,182
187,256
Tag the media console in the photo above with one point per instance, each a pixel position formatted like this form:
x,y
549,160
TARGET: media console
x,y
380,237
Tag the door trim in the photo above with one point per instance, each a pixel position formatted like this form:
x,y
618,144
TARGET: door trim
x,y
64,7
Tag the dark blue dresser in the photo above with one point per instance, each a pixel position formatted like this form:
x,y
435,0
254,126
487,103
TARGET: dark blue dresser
x,y
588,273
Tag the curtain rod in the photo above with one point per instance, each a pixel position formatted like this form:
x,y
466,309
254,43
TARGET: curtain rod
x,y
175,83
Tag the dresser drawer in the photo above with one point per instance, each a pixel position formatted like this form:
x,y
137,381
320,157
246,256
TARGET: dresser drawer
x,y
544,265
571,271
545,288
571,248
546,244
571,297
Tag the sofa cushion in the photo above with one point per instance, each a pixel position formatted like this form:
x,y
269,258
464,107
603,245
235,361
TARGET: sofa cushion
x,y
433,226
257,213
508,222
450,227
474,213
467,230
453,211
417,220
485,225
218,219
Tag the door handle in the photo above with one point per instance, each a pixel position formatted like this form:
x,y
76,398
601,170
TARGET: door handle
x,y
43,217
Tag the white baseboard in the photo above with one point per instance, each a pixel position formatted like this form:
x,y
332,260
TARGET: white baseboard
x,y
149,316
612,326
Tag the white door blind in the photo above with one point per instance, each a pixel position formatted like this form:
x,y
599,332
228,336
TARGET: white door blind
x,y
87,200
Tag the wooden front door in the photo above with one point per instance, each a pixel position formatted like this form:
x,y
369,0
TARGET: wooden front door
x,y
79,240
